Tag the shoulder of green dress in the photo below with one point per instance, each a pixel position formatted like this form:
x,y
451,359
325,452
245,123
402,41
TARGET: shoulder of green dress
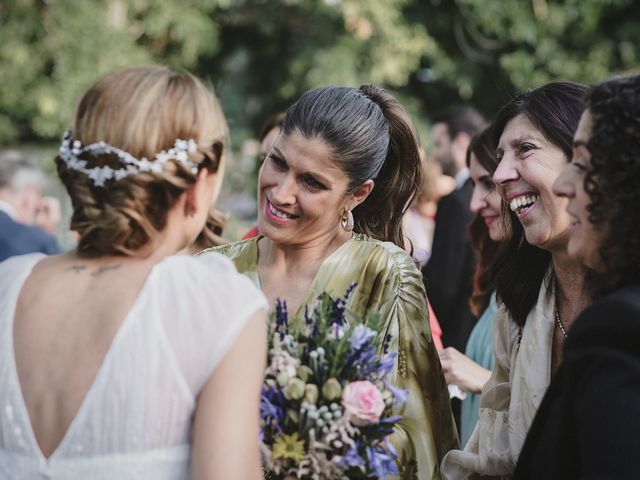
x,y
391,257
234,250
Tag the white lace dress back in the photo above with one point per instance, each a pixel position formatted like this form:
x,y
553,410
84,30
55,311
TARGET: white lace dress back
x,y
136,419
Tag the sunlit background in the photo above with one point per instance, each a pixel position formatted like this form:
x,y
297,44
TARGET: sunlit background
x,y
260,55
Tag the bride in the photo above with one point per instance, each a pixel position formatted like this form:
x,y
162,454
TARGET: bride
x,y
120,360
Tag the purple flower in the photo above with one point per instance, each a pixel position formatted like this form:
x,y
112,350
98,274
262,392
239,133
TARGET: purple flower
x,y
271,411
282,318
387,362
352,459
389,447
399,395
337,331
361,336
381,463
339,306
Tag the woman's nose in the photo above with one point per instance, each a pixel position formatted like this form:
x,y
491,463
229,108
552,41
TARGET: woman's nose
x,y
284,193
506,171
478,200
563,186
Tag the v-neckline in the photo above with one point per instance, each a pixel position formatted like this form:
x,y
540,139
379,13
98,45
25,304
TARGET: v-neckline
x,y
97,379
306,299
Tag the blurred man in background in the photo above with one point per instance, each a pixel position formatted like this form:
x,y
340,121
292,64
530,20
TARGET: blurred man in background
x,y
27,219
449,272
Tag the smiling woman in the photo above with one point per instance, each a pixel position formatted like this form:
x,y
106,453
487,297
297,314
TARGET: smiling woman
x,y
332,193
595,395
541,288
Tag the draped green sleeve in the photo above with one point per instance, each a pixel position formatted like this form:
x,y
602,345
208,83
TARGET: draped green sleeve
x,y
389,283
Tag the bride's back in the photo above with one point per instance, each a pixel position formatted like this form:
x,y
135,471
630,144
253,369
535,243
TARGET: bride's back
x,y
68,313
107,353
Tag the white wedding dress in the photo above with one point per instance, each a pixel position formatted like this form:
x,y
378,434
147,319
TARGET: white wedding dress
x,y
136,419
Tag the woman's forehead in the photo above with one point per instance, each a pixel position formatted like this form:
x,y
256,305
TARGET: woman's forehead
x,y
519,129
309,155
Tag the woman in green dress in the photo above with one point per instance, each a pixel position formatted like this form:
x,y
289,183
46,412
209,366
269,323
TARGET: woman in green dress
x,y
332,193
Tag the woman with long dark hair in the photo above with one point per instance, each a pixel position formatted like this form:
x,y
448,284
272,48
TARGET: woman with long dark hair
x,y
541,287
332,193
587,424
489,229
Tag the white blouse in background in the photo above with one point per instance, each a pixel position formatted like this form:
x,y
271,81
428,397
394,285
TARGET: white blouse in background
x,y
136,419
511,396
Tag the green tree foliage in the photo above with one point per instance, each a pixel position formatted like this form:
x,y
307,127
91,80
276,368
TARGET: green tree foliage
x,y
487,50
261,54
51,51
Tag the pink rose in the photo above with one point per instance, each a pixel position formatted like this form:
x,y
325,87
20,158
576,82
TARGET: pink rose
x,y
363,403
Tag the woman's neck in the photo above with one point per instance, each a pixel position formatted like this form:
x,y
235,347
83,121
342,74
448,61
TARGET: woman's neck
x,y
300,256
571,294
426,209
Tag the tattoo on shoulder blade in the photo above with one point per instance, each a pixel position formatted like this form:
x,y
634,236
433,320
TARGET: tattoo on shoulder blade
x,y
76,268
105,268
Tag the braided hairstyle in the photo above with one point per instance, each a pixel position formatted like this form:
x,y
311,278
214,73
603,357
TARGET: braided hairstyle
x,y
142,110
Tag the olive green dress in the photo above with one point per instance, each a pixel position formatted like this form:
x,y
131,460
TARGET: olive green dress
x,y
389,283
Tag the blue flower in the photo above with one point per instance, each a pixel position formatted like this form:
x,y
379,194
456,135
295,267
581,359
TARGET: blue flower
x,y
361,336
399,395
271,411
385,427
387,362
282,318
352,459
339,306
381,463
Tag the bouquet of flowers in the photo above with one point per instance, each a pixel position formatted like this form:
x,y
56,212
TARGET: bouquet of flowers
x,y
326,409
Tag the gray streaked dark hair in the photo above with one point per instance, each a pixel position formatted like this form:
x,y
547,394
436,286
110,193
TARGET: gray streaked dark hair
x,y
371,137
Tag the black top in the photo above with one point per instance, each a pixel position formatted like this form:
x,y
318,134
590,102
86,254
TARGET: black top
x,y
588,424
448,275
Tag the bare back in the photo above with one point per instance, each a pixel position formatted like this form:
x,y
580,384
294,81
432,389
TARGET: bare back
x,y
68,312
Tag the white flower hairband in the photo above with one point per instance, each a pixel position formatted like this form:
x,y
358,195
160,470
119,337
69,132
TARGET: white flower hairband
x,y
71,149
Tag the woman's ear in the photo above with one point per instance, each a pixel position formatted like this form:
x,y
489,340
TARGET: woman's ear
x,y
360,194
197,193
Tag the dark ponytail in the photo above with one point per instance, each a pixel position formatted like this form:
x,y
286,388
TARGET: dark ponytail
x,y
372,137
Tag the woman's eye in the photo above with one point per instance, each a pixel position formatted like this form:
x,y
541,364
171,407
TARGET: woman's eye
x,y
488,184
526,147
313,183
278,163
579,167
499,155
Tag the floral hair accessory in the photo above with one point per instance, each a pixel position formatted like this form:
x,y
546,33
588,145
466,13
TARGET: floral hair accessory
x,y
70,150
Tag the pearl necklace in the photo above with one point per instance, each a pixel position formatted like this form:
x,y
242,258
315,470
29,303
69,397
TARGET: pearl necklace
x,y
559,322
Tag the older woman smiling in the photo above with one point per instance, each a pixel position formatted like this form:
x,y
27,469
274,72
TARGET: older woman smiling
x,y
540,286
587,423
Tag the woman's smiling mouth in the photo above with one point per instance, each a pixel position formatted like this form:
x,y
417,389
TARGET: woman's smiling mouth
x,y
277,214
522,203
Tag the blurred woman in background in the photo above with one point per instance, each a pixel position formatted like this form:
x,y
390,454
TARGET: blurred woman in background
x,y
471,370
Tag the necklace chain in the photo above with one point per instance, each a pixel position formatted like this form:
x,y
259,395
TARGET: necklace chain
x,y
559,322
